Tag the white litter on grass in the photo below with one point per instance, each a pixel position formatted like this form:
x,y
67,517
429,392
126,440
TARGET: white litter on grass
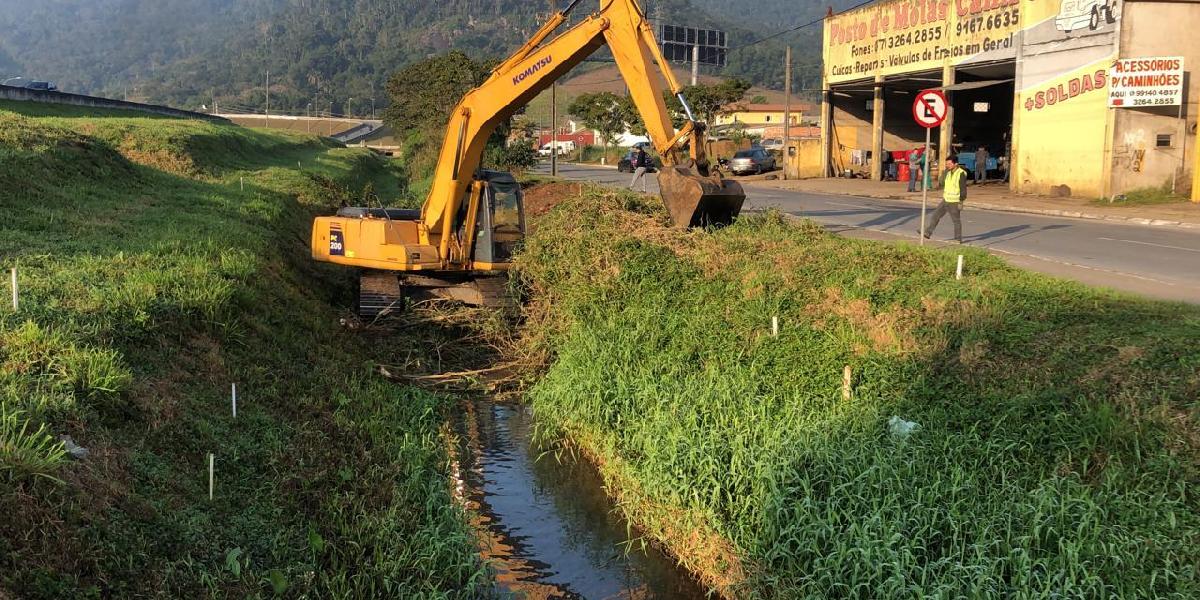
x,y
901,428
76,451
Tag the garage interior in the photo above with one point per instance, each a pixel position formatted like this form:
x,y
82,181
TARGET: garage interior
x,y
981,98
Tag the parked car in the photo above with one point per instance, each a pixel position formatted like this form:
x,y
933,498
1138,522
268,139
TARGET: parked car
x,y
625,165
754,160
775,144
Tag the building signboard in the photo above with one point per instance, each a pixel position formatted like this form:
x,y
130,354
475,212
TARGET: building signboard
x,y
679,43
903,36
906,36
1142,82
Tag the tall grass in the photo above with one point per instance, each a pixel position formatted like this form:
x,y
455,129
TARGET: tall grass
x,y
161,261
26,452
1060,425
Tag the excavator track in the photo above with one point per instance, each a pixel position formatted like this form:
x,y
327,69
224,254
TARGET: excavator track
x,y
382,293
495,293
379,293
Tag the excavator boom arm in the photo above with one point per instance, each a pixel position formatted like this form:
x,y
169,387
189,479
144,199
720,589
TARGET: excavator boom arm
x,y
532,69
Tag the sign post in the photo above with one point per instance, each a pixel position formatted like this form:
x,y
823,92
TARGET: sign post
x,y
929,111
1196,170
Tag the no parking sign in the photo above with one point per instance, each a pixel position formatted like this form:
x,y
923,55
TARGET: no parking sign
x,y
930,108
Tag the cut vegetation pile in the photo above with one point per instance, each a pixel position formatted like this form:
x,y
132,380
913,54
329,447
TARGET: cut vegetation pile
x,y
160,261
1058,431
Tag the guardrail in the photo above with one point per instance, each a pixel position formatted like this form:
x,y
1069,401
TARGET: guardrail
x,y
8,92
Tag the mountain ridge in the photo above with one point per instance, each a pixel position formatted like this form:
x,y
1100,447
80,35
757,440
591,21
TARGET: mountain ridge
x,y
189,52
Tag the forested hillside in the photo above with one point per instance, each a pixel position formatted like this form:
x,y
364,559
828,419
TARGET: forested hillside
x,y
184,52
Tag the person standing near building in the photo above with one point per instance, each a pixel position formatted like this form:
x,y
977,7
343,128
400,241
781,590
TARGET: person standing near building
x,y
639,162
954,193
916,167
981,158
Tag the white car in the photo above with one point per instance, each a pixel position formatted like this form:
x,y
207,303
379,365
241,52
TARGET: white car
x,y
564,148
1074,14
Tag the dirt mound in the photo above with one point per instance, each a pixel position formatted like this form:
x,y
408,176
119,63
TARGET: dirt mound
x,y
542,197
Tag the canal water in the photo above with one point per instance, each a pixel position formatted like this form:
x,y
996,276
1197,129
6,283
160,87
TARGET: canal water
x,y
549,529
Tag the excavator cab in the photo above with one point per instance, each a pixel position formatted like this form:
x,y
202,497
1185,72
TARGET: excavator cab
x,y
500,223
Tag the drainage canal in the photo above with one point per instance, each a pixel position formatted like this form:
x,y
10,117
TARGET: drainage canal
x,y
549,529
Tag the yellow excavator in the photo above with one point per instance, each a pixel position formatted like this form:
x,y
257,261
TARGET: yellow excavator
x,y
460,243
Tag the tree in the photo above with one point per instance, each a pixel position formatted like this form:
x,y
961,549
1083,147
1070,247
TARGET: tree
x,y
515,157
710,101
631,117
604,112
423,93
522,129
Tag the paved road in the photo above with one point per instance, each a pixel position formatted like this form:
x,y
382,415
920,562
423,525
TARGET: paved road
x,y
1159,262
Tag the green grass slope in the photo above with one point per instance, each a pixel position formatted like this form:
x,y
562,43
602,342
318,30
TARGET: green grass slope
x,y
1059,426
160,261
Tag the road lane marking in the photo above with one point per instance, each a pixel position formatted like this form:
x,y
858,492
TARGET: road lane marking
x,y
1152,244
1034,256
851,205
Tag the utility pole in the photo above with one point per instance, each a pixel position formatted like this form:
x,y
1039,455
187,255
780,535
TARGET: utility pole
x,y
268,99
331,118
695,65
1196,170
554,129
372,108
214,99
308,118
350,107
787,111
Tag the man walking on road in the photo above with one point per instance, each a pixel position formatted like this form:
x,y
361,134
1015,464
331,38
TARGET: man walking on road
x,y
639,162
954,193
981,158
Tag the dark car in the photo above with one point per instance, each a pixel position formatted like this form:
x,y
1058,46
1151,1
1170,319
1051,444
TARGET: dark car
x,y
625,165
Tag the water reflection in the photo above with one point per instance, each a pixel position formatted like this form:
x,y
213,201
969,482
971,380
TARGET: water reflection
x,y
550,530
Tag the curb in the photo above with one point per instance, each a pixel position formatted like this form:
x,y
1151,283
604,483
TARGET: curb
x,y
1082,215
595,165
1070,214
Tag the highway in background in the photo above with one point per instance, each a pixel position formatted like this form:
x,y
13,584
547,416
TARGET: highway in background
x,y
1158,262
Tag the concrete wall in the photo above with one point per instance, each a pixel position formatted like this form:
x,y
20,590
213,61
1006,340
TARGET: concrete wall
x,y
900,132
1157,29
806,163
852,124
1060,128
24,95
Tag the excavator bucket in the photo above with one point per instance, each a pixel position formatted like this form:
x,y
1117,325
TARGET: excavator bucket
x,y
698,201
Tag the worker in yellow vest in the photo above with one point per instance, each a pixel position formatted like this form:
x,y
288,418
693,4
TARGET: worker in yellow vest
x,y
954,193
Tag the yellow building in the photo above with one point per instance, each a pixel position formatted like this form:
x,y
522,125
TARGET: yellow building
x,y
761,114
1030,80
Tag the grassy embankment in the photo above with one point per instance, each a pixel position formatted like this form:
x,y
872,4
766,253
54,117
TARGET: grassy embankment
x,y
151,280
1059,429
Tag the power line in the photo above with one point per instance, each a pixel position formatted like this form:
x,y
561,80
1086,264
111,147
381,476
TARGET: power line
x,y
799,27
